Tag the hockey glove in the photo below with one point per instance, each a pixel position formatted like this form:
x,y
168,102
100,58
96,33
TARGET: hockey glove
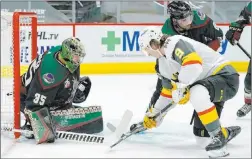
x,y
180,93
83,90
149,122
234,33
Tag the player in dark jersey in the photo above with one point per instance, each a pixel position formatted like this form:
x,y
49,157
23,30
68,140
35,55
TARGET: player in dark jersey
x,y
50,87
233,35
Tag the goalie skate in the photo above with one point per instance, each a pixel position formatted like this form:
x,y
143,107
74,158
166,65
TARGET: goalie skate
x,y
28,127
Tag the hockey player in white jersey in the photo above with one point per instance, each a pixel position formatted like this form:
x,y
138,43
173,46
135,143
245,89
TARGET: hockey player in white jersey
x,y
191,71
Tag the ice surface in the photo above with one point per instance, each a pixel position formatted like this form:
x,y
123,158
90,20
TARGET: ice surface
x,y
174,138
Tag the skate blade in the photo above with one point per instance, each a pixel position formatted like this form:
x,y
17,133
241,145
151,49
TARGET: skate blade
x,y
218,153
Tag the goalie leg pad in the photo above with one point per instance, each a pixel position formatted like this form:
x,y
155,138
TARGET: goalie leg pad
x,y
42,125
87,120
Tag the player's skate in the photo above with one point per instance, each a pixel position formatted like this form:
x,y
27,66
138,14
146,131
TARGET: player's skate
x,y
217,147
244,110
28,127
233,131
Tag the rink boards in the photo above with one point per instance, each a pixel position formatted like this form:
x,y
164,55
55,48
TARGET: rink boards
x,y
110,48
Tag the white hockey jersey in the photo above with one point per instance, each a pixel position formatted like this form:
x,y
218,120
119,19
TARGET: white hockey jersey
x,y
187,61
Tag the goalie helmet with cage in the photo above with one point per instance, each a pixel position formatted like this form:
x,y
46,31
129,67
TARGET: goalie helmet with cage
x,y
73,53
149,35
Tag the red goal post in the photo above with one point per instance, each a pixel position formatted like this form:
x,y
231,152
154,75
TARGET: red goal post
x,y
14,25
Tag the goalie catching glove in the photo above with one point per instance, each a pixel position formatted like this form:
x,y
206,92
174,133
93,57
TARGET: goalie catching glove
x,y
83,90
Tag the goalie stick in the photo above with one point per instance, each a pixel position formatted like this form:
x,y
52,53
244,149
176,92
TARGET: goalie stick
x,y
80,137
137,129
111,127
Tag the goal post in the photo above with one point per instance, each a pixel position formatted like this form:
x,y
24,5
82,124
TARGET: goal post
x,y
16,28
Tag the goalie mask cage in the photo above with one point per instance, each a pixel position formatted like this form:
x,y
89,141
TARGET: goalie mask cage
x,y
18,49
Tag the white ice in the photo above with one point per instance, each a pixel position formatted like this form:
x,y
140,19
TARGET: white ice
x,y
173,139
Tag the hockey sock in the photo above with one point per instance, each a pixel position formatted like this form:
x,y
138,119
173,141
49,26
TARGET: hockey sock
x,y
210,120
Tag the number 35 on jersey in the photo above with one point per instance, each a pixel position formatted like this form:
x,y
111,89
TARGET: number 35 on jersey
x,y
39,99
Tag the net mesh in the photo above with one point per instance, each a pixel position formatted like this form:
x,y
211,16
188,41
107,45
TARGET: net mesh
x,y
8,42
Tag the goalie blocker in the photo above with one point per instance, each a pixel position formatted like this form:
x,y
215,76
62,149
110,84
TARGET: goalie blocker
x,y
50,87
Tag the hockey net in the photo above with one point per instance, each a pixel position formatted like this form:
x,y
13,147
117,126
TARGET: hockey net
x,y
18,48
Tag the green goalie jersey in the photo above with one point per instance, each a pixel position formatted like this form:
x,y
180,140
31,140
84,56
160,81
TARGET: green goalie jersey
x,y
48,82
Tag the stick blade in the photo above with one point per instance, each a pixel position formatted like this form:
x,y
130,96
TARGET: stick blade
x,y
111,127
124,123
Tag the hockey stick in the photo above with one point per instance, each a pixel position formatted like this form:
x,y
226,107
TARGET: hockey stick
x,y
112,128
87,138
245,52
139,128
122,127
128,134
